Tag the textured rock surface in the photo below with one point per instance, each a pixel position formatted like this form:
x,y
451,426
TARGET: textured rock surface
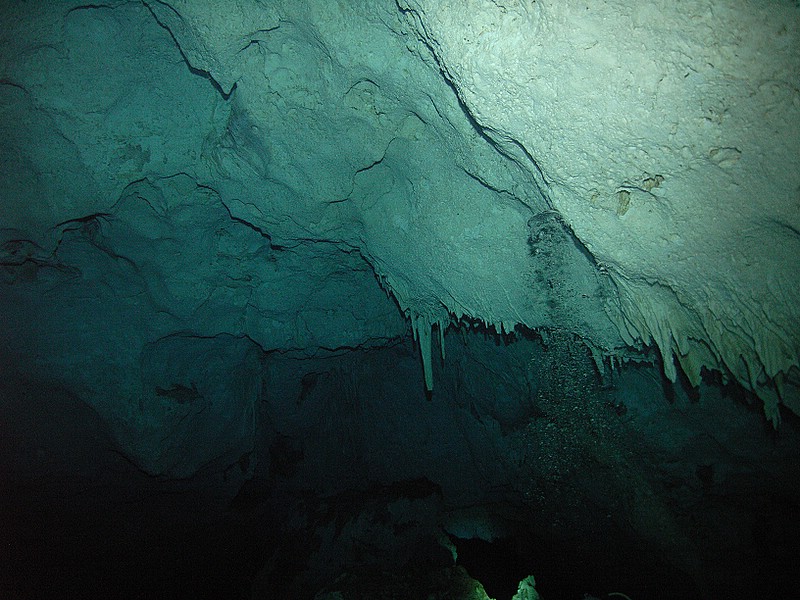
x,y
244,175
232,240
668,137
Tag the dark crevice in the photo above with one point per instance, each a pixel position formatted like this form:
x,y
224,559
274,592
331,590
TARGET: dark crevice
x,y
425,38
192,69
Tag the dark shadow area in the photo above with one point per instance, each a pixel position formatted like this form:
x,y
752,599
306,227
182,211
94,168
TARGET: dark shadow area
x,y
78,520
355,476
571,571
